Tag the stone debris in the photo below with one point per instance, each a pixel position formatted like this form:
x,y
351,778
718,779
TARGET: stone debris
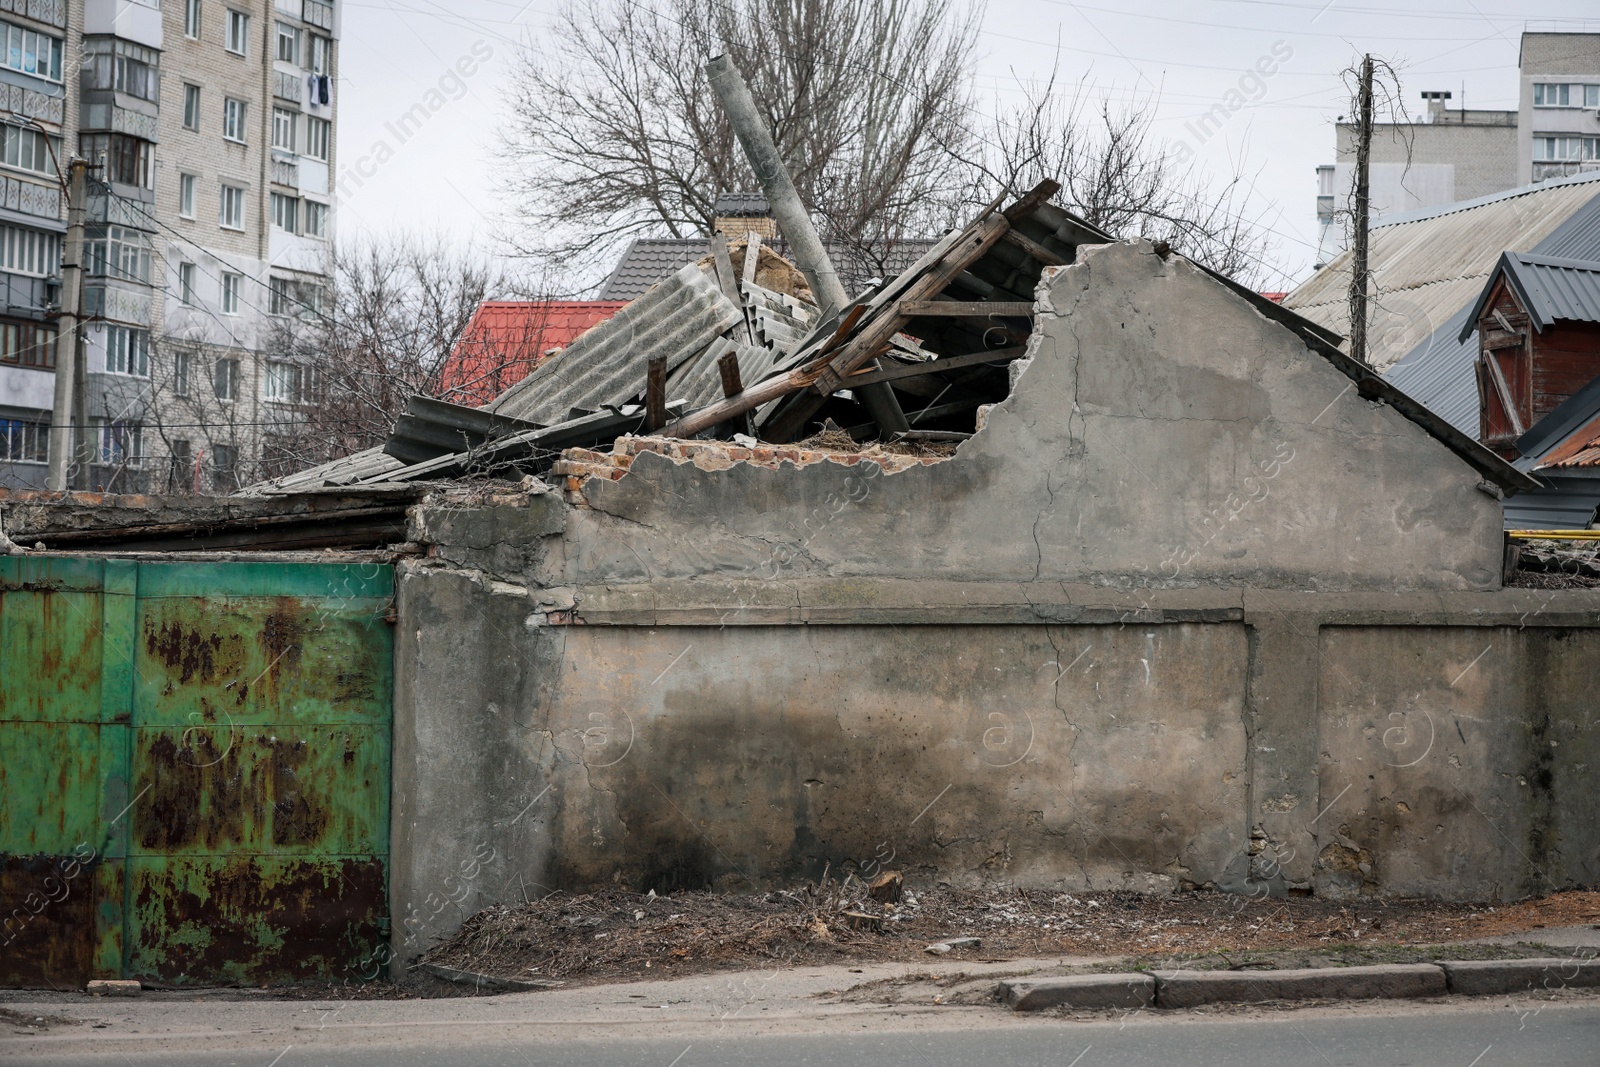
x,y
940,948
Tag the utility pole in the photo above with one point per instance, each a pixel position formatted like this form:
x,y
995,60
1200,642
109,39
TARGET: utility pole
x,y
1359,273
810,254
67,407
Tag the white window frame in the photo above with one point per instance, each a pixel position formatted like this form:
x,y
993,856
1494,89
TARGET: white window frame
x,y
318,210
186,284
127,351
235,114
232,198
285,208
26,38
181,360
35,152
319,57
191,19
236,37
319,138
285,121
121,442
225,379
285,32
186,195
232,287
191,106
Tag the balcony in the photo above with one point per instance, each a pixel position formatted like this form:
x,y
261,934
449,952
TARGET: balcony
x,y
318,14
1546,171
285,172
288,86
50,12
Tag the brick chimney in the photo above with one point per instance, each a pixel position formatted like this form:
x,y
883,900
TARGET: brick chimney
x,y
741,213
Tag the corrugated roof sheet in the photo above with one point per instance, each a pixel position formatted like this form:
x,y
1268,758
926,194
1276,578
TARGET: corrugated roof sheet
x,y
649,259
1429,266
1550,289
1568,503
1438,373
677,318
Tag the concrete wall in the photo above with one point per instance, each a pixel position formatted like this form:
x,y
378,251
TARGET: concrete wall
x,y
1176,616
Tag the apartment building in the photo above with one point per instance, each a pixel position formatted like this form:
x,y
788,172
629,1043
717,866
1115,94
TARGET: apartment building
x,y
1456,154
210,126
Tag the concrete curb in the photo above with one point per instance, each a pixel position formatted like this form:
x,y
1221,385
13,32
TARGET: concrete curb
x,y
1492,977
1079,991
1190,989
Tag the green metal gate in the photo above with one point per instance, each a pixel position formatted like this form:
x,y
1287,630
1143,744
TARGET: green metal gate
x,y
195,777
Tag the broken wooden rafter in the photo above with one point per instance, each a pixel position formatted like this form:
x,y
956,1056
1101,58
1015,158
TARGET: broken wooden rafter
x,y
1035,249
846,352
943,363
967,309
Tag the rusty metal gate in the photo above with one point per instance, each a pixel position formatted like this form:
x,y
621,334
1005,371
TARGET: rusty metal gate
x,y
195,782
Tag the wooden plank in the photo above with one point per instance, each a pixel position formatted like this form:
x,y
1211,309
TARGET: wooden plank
x,y
1032,200
728,367
1504,391
655,394
1035,249
942,364
967,309
752,257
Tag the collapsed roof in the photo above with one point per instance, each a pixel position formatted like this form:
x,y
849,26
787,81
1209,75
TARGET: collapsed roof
x,y
711,352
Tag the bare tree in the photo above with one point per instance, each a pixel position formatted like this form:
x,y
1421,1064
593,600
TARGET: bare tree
x,y
1115,172
615,130
349,358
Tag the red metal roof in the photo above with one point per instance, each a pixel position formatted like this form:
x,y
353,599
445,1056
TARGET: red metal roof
x,y
506,339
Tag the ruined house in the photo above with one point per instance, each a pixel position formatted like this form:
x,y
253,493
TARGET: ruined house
x,y
1170,595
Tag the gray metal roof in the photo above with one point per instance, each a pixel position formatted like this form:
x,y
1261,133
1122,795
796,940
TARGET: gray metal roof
x,y
1428,266
1438,373
1550,289
648,260
677,318
1568,503
742,205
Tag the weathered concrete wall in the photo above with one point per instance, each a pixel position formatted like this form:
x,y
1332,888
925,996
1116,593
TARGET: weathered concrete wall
x,y
1149,628
1163,431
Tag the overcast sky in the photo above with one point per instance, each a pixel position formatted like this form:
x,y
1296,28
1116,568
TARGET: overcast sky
x,y
1185,56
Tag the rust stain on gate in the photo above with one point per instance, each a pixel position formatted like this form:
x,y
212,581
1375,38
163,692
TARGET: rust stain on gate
x,y
221,732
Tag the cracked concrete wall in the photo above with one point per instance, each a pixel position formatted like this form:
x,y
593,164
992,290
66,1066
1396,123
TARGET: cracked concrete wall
x,y
1163,432
1038,661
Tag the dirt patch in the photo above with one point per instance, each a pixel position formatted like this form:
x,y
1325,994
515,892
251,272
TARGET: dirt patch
x,y
833,439
611,934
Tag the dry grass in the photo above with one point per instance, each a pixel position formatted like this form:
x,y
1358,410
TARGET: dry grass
x,y
612,934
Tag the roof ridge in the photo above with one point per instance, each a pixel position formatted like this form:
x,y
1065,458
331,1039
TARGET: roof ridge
x,y
1401,218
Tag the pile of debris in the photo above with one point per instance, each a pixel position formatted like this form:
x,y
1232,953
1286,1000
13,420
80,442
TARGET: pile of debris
x,y
734,346
613,933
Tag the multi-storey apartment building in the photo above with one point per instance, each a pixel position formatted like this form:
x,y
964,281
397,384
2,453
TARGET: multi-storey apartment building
x,y
1459,154
210,128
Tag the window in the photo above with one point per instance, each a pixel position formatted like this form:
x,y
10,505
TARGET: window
x,y
28,344
283,124
288,43
238,40
231,284
127,159
27,149
225,380
321,54
118,252
186,285
232,207
191,18
316,219
285,212
224,468
186,184
191,107
24,441
31,52
29,252
1565,94
128,351
121,442
287,383
317,137
233,119
180,371
1565,149
112,63
279,299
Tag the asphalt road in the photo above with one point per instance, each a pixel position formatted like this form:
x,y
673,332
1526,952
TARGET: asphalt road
x,y
1559,1034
